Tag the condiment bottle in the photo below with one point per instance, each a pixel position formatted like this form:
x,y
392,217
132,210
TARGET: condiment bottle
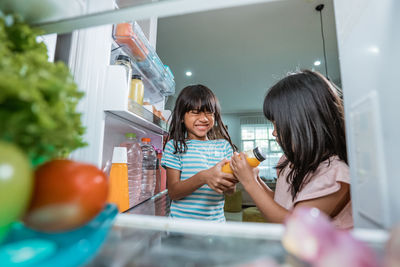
x,y
136,92
254,158
126,62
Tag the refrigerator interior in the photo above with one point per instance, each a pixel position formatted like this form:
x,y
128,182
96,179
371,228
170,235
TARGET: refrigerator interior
x,y
114,134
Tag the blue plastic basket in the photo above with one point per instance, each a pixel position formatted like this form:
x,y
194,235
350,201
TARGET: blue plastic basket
x,y
26,247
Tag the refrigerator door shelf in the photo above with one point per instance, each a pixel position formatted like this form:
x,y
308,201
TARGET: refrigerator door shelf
x,y
145,61
116,101
148,121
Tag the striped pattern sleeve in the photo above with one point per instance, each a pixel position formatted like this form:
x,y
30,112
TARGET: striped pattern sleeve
x,y
228,150
169,159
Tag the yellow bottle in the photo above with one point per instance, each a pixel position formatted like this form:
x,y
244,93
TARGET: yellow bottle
x,y
254,158
136,92
119,190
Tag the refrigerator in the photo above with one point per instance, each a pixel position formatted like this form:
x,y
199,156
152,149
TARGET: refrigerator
x,y
368,42
367,45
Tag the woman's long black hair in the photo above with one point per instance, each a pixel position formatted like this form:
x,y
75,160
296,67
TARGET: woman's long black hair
x,y
201,98
309,119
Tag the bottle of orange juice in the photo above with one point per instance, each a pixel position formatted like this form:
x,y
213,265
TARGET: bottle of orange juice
x,y
254,158
118,180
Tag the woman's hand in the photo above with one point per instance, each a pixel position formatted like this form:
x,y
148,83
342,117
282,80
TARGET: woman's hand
x,y
242,170
217,180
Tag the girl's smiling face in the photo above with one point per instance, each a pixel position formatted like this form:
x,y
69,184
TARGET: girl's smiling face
x,y
198,124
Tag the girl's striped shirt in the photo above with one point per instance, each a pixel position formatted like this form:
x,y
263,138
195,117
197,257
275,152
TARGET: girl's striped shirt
x,y
204,203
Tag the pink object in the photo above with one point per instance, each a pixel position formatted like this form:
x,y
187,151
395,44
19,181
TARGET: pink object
x,y
311,236
163,183
308,233
324,181
392,251
158,151
347,251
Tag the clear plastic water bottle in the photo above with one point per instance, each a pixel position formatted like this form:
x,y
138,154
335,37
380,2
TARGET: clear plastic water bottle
x,y
135,157
149,169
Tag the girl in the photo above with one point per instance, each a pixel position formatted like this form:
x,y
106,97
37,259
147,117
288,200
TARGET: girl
x,y
194,155
308,119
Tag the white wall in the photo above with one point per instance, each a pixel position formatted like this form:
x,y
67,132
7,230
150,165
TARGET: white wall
x,y
233,123
369,51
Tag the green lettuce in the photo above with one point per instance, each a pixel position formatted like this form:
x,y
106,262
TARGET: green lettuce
x,y
38,98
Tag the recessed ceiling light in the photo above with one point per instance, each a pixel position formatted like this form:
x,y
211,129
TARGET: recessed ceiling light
x,y
373,49
317,63
188,73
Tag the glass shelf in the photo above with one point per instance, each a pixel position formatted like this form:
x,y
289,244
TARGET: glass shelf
x,y
137,240
142,240
139,115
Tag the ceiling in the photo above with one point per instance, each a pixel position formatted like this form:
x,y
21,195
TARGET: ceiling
x,y
240,52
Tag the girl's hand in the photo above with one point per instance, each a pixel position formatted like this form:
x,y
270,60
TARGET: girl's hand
x,y
217,180
241,168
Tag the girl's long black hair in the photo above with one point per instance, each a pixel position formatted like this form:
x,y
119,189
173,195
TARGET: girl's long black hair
x,y
201,98
309,119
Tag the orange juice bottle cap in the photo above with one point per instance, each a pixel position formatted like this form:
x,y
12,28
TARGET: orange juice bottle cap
x,y
144,139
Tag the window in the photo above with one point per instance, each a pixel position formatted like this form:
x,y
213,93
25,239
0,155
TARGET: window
x,y
257,131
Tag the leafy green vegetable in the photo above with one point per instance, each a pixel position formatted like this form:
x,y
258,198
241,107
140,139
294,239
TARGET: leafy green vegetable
x,y
38,98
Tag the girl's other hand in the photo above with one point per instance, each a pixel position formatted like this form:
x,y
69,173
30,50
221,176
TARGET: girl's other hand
x,y
241,168
219,181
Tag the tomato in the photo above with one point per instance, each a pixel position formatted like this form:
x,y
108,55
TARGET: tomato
x,y
67,194
16,180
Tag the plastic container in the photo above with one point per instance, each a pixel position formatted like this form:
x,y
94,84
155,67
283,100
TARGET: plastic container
x,y
134,159
169,72
126,62
149,69
29,248
166,86
254,158
118,192
127,36
149,164
136,92
158,64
